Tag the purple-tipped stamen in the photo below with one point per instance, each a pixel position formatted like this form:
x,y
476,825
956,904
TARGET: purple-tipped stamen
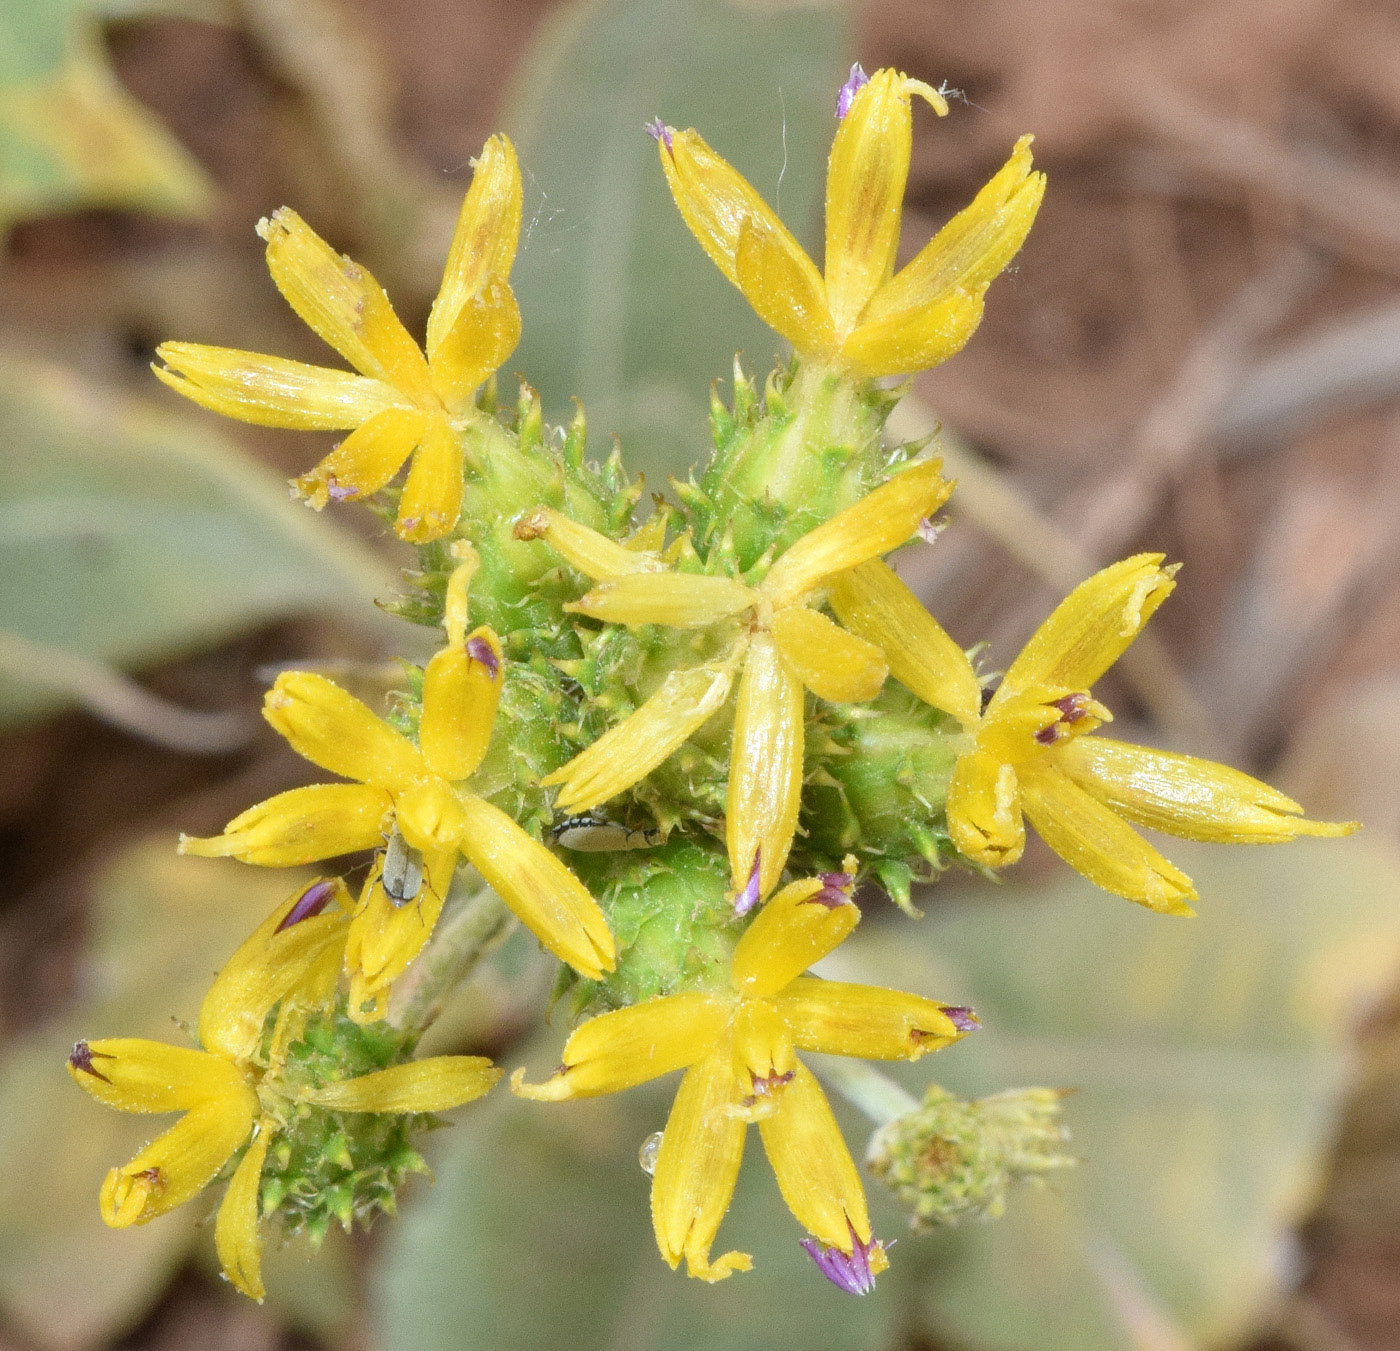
x,y
309,904
748,898
836,890
659,131
929,529
340,492
962,1018
81,1059
766,1085
1073,708
479,650
846,1271
855,82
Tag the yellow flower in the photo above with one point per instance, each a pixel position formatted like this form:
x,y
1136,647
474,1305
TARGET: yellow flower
x,y
400,403
738,1047
418,792
1031,751
231,1092
862,315
780,642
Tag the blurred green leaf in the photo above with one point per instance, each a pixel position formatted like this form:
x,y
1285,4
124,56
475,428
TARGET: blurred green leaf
x,y
160,927
70,135
130,534
622,307
1211,1059
537,1233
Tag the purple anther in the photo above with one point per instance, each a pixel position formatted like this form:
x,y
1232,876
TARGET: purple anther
x,y
855,82
309,904
1073,708
929,529
749,897
766,1085
479,650
846,1271
835,892
659,131
81,1059
340,492
962,1018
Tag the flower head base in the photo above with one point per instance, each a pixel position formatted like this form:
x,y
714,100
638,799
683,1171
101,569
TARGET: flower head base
x,y
779,645
401,403
1033,753
738,1047
244,1087
853,1271
419,793
860,315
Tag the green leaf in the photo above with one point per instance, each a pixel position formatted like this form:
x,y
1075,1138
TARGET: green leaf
x,y
130,534
622,307
537,1233
160,927
1210,1058
70,135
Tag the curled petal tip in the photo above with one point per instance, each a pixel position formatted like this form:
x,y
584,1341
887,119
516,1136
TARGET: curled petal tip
x,y
962,1018
749,896
855,1271
309,904
659,131
846,95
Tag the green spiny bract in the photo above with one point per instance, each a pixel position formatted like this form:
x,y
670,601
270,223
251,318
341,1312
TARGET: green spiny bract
x,y
876,774
951,1160
341,1167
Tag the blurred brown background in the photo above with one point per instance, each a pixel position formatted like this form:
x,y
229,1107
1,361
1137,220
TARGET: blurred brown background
x,y
1198,351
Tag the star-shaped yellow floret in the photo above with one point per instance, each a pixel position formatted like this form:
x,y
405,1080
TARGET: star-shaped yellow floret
x,y
1030,753
862,315
780,645
421,792
231,1091
738,1046
401,402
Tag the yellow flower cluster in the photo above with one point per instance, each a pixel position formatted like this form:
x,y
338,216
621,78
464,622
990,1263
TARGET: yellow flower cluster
x,y
760,633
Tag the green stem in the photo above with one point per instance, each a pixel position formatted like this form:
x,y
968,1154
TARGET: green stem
x,y
866,1088
472,923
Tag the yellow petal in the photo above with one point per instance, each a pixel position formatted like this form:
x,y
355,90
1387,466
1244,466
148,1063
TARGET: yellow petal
x,y
177,1166
1100,845
873,602
680,600
627,753
1090,629
880,521
485,334
435,1084
815,1172
762,1057
832,663
914,340
593,554
484,242
272,391
696,1169
1180,795
384,939
867,1021
715,199
302,825
797,928
865,180
432,493
339,301
456,600
984,810
784,288
765,767
461,688
335,730
136,1075
273,963
974,248
366,460
627,1047
236,1234
543,894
